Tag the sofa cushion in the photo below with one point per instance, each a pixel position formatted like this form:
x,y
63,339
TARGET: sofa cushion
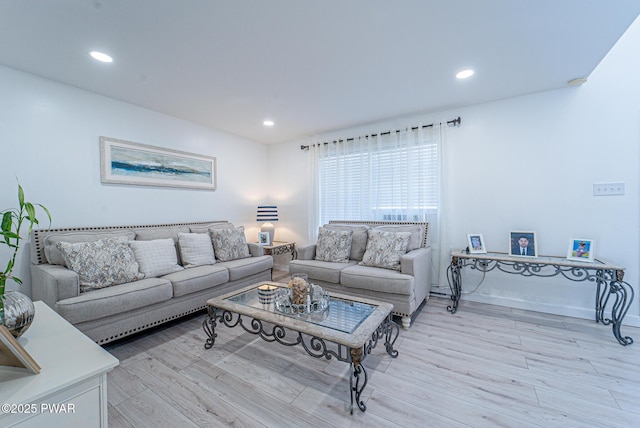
x,y
114,300
321,271
417,233
196,249
242,268
101,263
55,257
156,257
197,278
152,233
205,228
333,245
376,279
221,225
358,239
384,249
229,244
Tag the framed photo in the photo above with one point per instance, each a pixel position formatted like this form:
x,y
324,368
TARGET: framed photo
x,y
263,238
523,243
124,162
475,242
13,354
581,249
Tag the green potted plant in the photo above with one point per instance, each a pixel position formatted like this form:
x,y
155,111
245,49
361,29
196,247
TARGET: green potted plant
x,y
12,303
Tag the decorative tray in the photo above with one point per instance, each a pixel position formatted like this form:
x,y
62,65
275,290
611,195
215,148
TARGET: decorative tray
x,y
317,301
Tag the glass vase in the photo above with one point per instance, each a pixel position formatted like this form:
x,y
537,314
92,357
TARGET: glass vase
x,y
299,288
16,312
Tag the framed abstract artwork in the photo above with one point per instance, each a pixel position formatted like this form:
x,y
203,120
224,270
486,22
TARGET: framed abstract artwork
x,y
124,162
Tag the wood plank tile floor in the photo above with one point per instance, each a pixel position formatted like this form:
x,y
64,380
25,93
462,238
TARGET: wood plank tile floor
x,y
485,366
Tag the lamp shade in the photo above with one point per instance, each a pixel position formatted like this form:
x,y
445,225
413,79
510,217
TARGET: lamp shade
x,y
267,213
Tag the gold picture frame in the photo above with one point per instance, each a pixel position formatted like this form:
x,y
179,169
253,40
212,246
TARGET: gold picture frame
x,y
13,354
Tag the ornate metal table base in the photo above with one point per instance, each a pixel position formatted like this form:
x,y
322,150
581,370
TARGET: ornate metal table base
x,y
278,248
611,289
314,346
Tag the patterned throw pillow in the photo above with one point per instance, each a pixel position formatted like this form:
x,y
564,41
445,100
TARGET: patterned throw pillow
x,y
196,249
101,263
384,249
358,239
229,244
333,245
157,257
417,233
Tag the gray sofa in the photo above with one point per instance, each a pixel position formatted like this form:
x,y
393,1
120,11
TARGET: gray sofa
x,y
406,288
115,311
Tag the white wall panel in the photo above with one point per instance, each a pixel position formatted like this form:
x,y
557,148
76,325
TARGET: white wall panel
x,y
529,163
49,139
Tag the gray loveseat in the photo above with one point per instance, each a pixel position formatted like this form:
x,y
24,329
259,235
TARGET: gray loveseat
x,y
406,288
181,285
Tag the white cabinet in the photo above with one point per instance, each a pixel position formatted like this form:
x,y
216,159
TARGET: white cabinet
x,y
71,388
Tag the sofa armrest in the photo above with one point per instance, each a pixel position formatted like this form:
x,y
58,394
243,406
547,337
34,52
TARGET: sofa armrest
x,y
52,283
307,253
255,249
417,263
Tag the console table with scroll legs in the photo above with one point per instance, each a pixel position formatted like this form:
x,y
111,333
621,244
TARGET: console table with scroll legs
x,y
608,278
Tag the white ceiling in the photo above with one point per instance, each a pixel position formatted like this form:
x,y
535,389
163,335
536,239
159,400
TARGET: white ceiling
x,y
309,65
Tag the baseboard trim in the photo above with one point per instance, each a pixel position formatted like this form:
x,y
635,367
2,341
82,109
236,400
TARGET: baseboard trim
x,y
568,311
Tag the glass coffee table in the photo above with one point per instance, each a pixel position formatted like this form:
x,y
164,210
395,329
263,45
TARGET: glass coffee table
x,y
347,329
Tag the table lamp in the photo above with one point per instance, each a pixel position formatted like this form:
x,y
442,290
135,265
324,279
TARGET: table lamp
x,y
267,214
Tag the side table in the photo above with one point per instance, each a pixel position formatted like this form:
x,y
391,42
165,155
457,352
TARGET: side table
x,y
71,388
611,290
280,247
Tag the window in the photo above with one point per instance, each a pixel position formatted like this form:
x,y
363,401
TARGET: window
x,y
386,177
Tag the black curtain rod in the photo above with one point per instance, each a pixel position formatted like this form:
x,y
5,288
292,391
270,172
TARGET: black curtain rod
x,y
452,122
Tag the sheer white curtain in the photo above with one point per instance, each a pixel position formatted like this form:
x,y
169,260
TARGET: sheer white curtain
x,y
387,176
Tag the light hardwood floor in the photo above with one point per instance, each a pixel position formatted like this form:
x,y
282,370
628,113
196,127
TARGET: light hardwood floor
x,y
485,366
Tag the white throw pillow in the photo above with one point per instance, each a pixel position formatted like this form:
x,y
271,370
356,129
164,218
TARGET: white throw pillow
x,y
229,244
384,249
156,257
333,245
196,249
101,263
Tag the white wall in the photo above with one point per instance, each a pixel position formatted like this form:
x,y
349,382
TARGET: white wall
x,y
49,139
529,163
565,140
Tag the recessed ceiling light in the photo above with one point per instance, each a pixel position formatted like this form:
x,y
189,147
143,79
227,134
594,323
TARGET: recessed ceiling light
x,y
100,56
465,74
268,123
577,82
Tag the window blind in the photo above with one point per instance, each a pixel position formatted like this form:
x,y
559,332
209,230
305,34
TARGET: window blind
x,y
395,177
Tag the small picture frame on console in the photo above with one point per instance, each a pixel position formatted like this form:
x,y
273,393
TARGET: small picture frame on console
x,y
475,243
263,238
523,243
581,249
